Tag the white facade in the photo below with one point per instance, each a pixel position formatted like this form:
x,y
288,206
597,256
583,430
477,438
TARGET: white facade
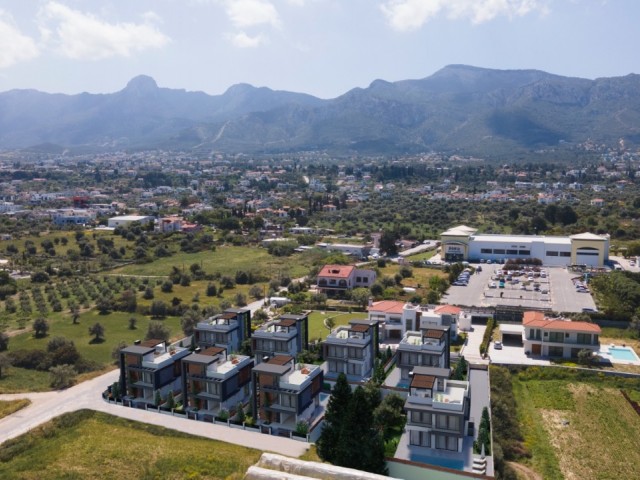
x,y
463,243
551,250
127,220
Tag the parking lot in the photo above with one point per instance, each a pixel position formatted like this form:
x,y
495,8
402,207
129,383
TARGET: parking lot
x,y
556,292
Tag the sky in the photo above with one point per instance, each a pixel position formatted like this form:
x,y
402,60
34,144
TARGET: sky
x,y
320,47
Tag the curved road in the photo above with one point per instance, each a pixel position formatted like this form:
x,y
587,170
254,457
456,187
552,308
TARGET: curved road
x,y
88,395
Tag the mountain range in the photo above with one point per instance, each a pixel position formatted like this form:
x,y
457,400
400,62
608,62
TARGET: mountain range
x,y
460,109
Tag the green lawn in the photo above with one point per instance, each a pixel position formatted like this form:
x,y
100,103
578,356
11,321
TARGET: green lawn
x,y
421,256
17,380
227,260
89,444
577,429
316,322
116,326
9,407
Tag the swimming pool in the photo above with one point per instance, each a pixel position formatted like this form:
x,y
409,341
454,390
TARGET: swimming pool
x,y
623,353
438,461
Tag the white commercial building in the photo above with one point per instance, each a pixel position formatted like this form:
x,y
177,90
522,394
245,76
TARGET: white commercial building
x,y
126,220
463,243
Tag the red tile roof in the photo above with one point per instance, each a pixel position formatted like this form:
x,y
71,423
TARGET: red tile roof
x,y
537,319
531,316
336,271
387,306
447,310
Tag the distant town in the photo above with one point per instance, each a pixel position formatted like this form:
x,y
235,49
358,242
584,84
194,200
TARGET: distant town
x,y
454,316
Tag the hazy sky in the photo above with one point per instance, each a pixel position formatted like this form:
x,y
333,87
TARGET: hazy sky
x,y
322,47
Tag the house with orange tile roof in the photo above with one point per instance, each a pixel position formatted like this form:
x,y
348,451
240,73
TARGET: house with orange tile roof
x,y
553,337
336,279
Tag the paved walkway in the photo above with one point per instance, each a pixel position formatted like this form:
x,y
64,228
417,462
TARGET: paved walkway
x,y
88,395
471,350
480,398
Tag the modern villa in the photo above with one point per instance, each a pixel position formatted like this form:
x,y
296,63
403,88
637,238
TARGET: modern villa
x,y
285,392
149,366
351,350
287,335
437,409
227,330
213,381
426,348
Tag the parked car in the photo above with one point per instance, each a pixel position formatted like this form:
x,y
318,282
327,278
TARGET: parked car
x,y
493,285
497,345
544,290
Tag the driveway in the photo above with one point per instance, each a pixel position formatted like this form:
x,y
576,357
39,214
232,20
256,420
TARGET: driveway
x,y
88,395
513,355
471,349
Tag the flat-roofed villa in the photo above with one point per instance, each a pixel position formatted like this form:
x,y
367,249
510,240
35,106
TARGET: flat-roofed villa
x,y
287,335
213,381
437,410
351,349
227,329
285,392
425,348
149,366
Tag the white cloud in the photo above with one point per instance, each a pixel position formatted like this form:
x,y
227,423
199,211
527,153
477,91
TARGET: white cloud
x,y
83,36
14,46
249,13
243,40
406,15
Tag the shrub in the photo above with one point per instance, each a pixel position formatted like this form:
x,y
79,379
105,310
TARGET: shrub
x,y
62,376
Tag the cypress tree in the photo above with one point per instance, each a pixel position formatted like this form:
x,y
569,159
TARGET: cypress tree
x,y
358,429
337,409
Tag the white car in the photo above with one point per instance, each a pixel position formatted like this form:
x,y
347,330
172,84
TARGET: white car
x,y
493,285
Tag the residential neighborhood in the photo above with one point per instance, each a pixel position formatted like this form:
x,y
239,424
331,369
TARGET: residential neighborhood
x,y
244,295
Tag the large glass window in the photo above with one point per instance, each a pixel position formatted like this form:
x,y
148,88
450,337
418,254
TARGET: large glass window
x,y
354,369
557,337
584,338
454,422
422,439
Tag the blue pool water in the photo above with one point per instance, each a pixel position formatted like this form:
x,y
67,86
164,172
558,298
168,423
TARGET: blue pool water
x,y
440,462
623,353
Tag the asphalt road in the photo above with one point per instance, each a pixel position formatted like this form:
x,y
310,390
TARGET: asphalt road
x,y
88,395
